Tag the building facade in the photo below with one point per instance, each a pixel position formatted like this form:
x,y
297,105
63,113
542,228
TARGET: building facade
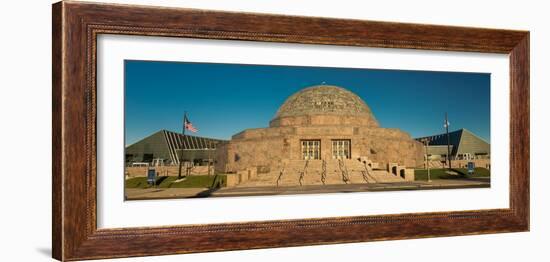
x,y
320,123
464,145
168,148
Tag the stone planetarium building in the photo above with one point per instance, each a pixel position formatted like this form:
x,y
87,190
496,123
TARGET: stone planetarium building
x,y
322,135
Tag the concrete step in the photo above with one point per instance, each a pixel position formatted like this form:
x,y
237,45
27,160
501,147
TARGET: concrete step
x,y
293,169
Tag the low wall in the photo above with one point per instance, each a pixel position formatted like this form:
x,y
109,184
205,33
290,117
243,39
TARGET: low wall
x,y
485,163
409,174
232,180
397,170
241,176
167,171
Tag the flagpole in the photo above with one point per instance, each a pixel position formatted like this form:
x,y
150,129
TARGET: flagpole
x,y
181,144
448,140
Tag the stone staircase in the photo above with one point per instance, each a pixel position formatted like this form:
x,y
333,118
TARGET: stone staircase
x,y
347,171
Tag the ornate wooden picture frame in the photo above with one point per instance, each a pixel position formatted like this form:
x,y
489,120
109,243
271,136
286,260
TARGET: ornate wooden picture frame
x,y
76,26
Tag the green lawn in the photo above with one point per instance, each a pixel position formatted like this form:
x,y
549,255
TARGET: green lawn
x,y
439,173
170,182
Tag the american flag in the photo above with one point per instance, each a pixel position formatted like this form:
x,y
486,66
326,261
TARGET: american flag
x,y
188,126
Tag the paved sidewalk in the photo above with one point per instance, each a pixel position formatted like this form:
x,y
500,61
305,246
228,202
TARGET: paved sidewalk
x,y
167,193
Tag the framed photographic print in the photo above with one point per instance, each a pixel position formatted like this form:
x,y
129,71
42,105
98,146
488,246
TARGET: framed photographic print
x,y
195,130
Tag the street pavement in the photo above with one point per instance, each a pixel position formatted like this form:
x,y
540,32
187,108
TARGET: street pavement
x,y
167,193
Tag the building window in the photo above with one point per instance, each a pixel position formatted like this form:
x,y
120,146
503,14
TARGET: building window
x,y
341,149
311,149
147,158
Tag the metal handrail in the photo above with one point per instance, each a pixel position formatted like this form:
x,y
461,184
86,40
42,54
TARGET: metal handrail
x,y
344,170
367,174
280,175
303,173
324,172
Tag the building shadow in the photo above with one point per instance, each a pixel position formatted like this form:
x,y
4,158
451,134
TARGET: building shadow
x,y
206,193
160,180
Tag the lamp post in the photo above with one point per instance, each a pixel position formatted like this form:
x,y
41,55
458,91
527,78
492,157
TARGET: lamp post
x,y
180,156
426,142
181,145
213,147
447,124
208,149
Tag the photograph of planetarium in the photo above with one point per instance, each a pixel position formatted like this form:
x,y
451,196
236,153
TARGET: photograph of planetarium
x,y
219,130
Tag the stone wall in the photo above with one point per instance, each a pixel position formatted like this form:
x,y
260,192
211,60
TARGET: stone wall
x,y
244,153
241,176
316,120
384,145
222,157
272,147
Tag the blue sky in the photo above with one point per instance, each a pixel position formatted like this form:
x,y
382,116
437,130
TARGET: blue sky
x,y
224,99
